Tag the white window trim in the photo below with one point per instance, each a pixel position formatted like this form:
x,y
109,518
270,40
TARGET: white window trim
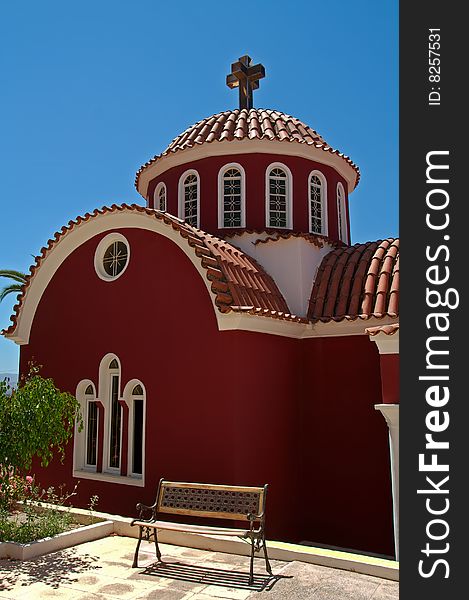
x,y
324,219
87,402
101,250
221,215
110,474
279,165
79,449
110,373
158,188
343,205
181,194
128,397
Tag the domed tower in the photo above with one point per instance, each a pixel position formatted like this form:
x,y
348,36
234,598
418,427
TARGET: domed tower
x,y
252,170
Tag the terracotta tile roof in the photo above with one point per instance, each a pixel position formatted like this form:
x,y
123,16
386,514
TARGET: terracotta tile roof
x,y
317,240
274,235
360,281
237,280
240,124
384,329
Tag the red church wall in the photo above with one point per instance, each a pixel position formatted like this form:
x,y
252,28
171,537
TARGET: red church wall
x,y
255,166
345,445
228,407
390,378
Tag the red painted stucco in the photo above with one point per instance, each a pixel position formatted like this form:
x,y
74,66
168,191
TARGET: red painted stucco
x,y
255,166
390,378
228,407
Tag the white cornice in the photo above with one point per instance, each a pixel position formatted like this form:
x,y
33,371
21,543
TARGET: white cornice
x,y
259,324
387,344
246,146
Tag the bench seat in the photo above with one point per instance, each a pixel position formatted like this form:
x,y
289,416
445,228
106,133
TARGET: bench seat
x,y
203,529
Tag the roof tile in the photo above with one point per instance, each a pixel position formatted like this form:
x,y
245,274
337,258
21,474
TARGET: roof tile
x,y
360,281
242,124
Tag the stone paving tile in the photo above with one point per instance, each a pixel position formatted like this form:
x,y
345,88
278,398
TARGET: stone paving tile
x,y
101,570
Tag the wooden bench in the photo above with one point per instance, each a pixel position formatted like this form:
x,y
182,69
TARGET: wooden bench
x,y
242,504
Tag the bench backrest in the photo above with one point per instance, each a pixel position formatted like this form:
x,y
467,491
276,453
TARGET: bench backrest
x,y
207,500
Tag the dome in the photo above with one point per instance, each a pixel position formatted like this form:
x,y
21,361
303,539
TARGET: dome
x,y
253,125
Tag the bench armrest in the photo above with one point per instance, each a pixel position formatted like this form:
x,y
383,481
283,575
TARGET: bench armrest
x,y
142,508
253,517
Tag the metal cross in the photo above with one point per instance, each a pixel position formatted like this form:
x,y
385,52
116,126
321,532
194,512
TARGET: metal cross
x,y
246,76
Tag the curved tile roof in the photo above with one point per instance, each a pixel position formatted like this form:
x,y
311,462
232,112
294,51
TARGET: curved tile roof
x,y
384,329
360,281
240,124
237,280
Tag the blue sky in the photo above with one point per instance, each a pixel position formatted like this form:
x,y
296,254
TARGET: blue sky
x,y
91,90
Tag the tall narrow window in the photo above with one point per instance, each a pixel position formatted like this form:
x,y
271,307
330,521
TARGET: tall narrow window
x,y
278,190
137,433
116,417
189,199
160,197
231,197
341,215
317,203
91,427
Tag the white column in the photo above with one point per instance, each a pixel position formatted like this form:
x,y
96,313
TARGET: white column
x,y
391,413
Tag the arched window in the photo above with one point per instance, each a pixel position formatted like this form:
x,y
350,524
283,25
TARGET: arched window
x,y
160,197
91,427
278,196
115,415
341,214
189,198
111,445
137,430
231,196
317,203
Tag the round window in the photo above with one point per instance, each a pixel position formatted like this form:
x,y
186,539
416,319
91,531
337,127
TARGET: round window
x,y
112,256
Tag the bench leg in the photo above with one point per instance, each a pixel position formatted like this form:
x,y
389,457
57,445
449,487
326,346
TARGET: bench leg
x,y
157,548
266,556
251,570
135,563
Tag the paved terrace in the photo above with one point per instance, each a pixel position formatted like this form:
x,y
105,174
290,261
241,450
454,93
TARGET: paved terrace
x,y
101,570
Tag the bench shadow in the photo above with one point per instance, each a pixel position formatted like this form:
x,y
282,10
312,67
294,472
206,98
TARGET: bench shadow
x,y
211,576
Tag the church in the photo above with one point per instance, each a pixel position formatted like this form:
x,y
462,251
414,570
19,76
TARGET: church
x,y
226,331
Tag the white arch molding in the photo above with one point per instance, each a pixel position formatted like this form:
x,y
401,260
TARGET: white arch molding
x,y
79,235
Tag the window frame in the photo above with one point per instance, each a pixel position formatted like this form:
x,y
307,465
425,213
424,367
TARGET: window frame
x,y
129,397
111,374
324,216
221,196
81,437
342,230
90,399
100,251
289,196
156,201
181,196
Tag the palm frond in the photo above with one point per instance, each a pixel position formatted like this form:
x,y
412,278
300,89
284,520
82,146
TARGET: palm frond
x,y
10,289
12,274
